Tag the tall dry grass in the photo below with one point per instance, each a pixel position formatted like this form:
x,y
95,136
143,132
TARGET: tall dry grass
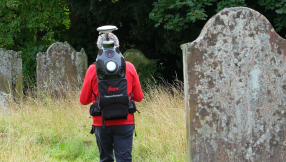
x,y
42,128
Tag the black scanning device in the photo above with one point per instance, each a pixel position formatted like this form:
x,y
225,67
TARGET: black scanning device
x,y
110,63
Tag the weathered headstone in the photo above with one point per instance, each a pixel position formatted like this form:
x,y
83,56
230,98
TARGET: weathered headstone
x,y
59,67
10,75
4,97
136,57
144,66
235,89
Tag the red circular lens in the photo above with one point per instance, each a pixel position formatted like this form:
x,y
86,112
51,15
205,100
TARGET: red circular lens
x,y
101,72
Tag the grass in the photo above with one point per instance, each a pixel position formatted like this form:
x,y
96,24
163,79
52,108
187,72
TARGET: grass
x,y
43,128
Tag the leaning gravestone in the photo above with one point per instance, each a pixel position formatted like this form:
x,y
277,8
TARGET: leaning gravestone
x,y
144,66
61,67
235,89
10,75
136,57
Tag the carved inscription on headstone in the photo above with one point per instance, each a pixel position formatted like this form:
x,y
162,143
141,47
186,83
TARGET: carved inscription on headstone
x,y
10,75
235,89
60,65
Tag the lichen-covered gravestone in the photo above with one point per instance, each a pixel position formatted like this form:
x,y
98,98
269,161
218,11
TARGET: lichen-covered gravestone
x,y
10,75
144,66
235,89
60,68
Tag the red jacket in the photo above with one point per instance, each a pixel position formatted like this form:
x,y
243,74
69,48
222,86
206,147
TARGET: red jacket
x,y
90,84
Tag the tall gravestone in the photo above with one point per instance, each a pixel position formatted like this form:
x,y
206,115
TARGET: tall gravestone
x,y
59,67
235,89
10,75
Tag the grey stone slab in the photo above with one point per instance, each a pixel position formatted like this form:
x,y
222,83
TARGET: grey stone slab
x,y
235,89
4,97
60,66
11,82
144,66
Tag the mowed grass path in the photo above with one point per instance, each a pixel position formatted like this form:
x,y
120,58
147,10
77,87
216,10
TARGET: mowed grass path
x,y
45,129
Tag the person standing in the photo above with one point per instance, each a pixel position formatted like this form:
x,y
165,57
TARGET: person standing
x,y
117,135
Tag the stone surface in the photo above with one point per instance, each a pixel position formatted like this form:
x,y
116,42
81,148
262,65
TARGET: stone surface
x,y
61,67
136,57
4,97
144,66
10,75
235,89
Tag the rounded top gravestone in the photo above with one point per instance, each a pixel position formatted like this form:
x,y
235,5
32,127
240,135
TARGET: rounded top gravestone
x,y
144,66
235,89
60,66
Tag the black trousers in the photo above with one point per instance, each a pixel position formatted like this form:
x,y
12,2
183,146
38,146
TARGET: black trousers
x,y
118,138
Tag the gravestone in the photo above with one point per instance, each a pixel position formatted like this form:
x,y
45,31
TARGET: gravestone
x,y
4,97
10,75
136,57
235,89
144,66
61,67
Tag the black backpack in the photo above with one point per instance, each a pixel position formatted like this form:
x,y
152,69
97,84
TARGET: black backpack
x,y
113,102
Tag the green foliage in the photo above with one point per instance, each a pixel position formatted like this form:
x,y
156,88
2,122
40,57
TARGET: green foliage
x,y
176,15
29,52
279,6
31,21
30,26
229,3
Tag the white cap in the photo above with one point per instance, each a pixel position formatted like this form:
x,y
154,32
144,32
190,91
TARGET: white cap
x,y
106,29
108,42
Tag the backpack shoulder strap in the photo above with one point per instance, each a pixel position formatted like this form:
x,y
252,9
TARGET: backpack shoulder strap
x,y
95,97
